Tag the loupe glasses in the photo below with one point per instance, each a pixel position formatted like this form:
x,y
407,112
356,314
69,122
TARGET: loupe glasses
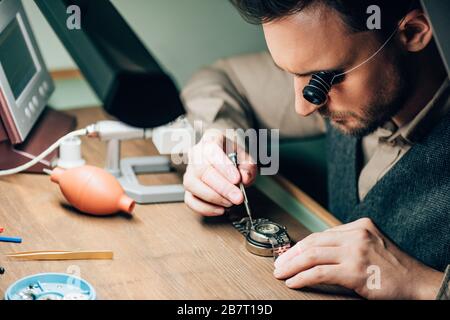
x,y
316,92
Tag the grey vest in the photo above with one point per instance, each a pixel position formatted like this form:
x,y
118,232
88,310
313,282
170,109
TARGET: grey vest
x,y
410,204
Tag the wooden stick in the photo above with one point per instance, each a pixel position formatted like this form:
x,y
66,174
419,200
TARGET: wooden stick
x,y
66,74
63,255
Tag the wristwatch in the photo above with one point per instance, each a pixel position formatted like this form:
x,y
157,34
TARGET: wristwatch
x,y
265,238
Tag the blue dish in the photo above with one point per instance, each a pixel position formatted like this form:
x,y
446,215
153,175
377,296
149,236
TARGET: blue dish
x,y
51,286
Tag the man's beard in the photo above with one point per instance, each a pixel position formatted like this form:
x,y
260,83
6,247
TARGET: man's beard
x,y
377,112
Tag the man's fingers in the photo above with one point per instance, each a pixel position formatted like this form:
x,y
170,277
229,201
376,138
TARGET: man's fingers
x,y
288,255
222,186
319,239
217,158
202,207
307,260
363,223
358,225
248,173
212,177
203,191
247,167
322,274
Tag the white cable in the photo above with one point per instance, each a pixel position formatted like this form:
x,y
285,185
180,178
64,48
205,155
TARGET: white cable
x,y
77,133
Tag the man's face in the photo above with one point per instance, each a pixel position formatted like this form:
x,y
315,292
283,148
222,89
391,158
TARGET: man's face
x,y
317,39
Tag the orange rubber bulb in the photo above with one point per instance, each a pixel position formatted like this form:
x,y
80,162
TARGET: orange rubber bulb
x,y
92,190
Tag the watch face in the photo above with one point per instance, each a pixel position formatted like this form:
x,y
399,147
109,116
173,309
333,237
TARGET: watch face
x,y
267,228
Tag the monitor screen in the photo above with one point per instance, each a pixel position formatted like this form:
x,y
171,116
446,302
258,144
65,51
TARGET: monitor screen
x,y
16,58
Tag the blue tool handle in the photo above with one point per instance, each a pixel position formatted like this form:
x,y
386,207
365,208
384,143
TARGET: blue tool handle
x,y
9,239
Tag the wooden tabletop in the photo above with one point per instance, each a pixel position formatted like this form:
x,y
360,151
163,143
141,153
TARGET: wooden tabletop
x,y
164,252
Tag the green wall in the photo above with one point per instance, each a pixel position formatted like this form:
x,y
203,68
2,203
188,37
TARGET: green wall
x,y
182,34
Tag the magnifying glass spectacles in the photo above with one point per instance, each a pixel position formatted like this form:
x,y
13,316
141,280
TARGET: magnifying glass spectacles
x,y
318,88
316,92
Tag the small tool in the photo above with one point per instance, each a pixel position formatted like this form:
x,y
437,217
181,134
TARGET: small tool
x,y
233,158
1,230
10,239
62,255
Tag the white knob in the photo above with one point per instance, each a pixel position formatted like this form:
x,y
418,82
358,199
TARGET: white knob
x,y
70,154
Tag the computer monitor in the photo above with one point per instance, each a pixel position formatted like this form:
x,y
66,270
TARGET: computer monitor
x,y
25,84
27,127
120,69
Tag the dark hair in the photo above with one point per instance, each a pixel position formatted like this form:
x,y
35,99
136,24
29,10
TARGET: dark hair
x,y
353,12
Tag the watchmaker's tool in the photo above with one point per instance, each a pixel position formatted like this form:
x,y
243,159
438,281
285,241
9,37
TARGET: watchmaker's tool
x,y
10,239
92,190
167,140
174,138
264,238
233,158
62,255
51,286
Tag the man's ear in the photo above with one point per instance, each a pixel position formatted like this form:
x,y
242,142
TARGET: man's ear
x,y
415,32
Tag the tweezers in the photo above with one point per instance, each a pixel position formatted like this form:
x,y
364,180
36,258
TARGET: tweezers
x,y
62,255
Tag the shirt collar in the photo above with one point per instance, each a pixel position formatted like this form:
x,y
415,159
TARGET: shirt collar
x,y
425,120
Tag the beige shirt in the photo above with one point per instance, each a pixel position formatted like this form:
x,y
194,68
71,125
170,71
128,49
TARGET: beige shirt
x,y
248,91
388,144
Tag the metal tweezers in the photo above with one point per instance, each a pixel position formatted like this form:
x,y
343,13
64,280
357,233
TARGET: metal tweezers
x,y
62,255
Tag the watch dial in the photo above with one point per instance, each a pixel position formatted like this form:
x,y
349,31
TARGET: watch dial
x,y
267,228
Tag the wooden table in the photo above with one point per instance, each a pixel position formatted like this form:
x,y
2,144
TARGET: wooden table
x,y
164,252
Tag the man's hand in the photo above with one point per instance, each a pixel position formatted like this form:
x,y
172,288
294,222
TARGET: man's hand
x,y
211,178
347,255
